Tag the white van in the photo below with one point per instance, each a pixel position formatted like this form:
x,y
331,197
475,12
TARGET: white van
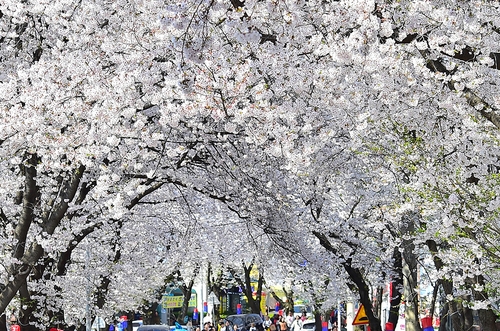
x,y
299,309
136,324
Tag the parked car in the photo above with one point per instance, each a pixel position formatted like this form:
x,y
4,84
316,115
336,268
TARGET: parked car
x,y
299,309
243,321
309,325
173,327
160,327
154,327
136,324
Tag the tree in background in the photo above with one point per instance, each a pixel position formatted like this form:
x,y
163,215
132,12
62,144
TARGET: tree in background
x,y
302,122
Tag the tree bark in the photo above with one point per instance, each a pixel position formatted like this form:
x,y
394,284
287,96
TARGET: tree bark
x,y
50,220
410,283
3,322
410,280
214,284
253,303
487,317
396,287
452,314
186,291
356,276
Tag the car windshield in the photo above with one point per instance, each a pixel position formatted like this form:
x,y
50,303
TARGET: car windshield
x,y
308,326
301,309
237,320
254,319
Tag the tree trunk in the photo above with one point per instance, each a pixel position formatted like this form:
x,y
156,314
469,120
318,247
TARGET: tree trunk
x,y
214,284
396,287
318,320
51,218
27,308
3,322
258,295
410,283
377,305
186,291
246,285
468,318
487,318
253,303
19,274
453,309
443,325
289,303
452,316
356,276
410,276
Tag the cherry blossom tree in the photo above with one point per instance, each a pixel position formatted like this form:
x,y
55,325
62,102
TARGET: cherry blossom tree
x,y
311,123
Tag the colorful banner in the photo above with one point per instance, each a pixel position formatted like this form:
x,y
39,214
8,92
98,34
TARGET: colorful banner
x,y
175,301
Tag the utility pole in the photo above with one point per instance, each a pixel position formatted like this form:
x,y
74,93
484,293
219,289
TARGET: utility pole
x,y
200,305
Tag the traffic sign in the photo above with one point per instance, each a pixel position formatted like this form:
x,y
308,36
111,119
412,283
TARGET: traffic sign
x,y
361,317
212,298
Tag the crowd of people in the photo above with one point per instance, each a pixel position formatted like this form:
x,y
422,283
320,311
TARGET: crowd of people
x,y
282,323
275,323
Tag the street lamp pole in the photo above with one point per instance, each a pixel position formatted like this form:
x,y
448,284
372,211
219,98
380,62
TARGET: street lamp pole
x,y
88,316
339,317
200,305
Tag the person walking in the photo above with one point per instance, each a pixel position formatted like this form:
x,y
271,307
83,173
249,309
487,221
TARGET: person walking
x,y
297,324
220,325
267,323
227,327
289,320
282,326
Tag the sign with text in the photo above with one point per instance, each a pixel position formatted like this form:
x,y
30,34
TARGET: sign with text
x,y
175,301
